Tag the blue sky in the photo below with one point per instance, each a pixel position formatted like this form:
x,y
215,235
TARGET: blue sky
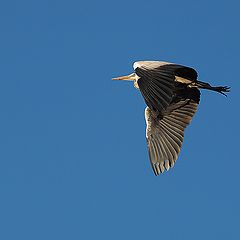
x,y
73,154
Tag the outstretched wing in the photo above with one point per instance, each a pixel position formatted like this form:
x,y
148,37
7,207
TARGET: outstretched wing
x,y
165,133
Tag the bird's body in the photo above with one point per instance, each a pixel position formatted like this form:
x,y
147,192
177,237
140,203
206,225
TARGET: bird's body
x,y
172,95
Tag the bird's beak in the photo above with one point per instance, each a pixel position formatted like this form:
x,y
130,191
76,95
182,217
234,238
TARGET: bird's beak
x,y
130,77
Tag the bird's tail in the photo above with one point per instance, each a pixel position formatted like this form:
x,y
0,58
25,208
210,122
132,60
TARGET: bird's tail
x,y
220,89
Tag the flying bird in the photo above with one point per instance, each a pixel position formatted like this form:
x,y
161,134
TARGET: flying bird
x,y
171,92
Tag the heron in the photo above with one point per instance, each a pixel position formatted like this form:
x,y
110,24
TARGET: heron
x,y
171,93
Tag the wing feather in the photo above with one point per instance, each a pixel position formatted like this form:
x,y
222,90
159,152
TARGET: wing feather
x,y
165,134
156,87
157,84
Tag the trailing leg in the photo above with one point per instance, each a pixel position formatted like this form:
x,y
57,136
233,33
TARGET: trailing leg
x,y
220,89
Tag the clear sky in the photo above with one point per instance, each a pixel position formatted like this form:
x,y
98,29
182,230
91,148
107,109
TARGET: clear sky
x,y
73,154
